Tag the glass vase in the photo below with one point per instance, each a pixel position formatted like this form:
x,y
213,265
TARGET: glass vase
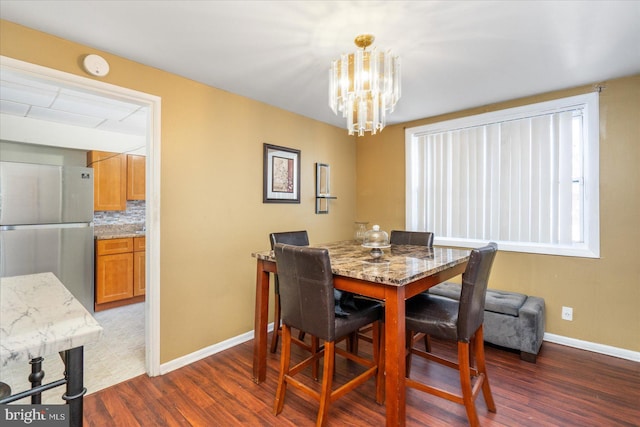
x,y
360,229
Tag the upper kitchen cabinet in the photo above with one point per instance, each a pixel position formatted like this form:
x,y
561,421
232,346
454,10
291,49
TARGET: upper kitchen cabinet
x,y
135,177
109,180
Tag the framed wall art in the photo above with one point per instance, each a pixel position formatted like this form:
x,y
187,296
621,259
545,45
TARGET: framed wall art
x,y
281,175
323,192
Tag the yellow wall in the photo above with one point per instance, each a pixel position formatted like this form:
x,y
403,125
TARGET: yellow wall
x,y
212,215
605,292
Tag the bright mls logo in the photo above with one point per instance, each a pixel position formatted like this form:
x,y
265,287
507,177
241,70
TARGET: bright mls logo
x,y
35,415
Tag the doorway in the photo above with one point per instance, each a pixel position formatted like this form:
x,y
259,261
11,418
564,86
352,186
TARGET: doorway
x,y
153,104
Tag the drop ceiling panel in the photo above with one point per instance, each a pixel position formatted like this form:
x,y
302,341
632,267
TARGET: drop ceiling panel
x,y
27,94
64,117
80,103
14,108
135,124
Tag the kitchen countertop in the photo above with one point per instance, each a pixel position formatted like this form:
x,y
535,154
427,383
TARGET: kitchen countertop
x,y
118,231
40,317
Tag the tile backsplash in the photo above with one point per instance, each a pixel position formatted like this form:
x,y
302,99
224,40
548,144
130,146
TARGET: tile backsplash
x,y
135,213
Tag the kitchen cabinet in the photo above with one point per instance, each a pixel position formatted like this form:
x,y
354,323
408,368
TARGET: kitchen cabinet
x,y
139,266
109,180
136,177
114,270
120,272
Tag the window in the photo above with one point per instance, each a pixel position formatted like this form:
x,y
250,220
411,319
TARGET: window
x,y
526,177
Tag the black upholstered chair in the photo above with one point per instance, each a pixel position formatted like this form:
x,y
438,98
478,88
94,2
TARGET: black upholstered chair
x,y
397,237
297,238
448,319
308,304
417,238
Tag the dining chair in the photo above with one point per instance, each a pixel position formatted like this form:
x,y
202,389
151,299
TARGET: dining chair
x,y
459,321
397,237
308,304
417,238
298,238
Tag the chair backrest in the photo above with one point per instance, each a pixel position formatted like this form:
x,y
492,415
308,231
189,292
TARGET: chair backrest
x,y
306,289
474,291
297,238
418,238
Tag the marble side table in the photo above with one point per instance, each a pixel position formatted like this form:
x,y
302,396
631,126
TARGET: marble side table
x,y
40,317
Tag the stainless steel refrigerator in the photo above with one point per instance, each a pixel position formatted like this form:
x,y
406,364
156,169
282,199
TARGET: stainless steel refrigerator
x,y
46,224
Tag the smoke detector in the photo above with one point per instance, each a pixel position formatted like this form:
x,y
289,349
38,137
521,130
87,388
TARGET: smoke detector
x,y
96,65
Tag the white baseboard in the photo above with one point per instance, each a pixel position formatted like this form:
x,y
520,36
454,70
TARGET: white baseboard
x,y
594,347
231,342
207,351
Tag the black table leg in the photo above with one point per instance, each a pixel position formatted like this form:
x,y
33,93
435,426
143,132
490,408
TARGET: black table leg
x,y
74,375
37,374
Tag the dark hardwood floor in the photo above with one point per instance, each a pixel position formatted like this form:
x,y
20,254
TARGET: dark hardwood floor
x,y
566,387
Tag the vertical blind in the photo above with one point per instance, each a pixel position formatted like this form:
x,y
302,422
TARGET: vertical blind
x,y
512,181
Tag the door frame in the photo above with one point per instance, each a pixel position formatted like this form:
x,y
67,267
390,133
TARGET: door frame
x,y
152,204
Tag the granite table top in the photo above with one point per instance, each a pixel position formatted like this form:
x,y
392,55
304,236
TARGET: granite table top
x,y
40,317
399,265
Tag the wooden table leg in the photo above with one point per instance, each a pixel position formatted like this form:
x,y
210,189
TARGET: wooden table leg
x,y
260,323
395,356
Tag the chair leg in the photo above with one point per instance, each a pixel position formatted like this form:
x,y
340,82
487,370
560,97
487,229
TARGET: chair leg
x,y
285,359
478,346
276,324
315,347
352,343
327,382
409,345
427,343
361,334
422,336
465,383
378,356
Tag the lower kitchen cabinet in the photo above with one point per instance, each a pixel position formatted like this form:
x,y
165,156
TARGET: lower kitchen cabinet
x,y
120,272
138,265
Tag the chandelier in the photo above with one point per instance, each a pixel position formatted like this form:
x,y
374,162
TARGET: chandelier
x,y
364,86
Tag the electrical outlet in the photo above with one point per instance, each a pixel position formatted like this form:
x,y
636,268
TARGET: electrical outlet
x,y
567,313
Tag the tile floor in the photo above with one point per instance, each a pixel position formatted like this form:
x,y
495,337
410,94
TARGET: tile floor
x,y
118,356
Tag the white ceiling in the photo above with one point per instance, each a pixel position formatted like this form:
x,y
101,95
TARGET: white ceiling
x,y
454,54
28,96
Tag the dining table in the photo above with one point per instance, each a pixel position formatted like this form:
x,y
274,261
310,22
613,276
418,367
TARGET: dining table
x,y
401,272
39,317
